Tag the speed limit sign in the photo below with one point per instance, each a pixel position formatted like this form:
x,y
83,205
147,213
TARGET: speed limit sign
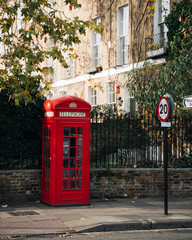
x,y
163,109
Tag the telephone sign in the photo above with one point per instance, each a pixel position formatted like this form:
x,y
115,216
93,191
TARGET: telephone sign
x,y
163,109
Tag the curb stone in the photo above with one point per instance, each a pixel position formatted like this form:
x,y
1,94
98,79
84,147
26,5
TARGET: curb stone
x,y
137,225
168,224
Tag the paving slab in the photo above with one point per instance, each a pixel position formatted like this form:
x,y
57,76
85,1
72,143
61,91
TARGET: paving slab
x,y
17,219
70,217
100,215
33,227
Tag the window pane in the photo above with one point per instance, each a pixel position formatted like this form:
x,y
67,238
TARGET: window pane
x,y
65,152
125,13
72,152
95,100
66,131
73,131
121,28
95,46
73,142
97,21
96,51
65,163
79,142
79,184
125,28
66,142
72,173
93,96
99,55
111,93
79,131
79,152
79,173
121,44
79,162
125,39
113,97
98,38
65,173
120,14
72,163
72,184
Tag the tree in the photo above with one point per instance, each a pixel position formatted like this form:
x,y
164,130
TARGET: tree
x,y
20,131
179,23
27,27
149,83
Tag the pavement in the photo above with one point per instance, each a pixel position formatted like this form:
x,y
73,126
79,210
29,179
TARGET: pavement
x,y
36,218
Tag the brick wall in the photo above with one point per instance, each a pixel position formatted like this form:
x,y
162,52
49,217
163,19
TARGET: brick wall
x,y
139,182
25,185
20,185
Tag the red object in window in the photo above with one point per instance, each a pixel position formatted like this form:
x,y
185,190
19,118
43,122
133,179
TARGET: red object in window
x,y
117,89
66,151
181,19
70,6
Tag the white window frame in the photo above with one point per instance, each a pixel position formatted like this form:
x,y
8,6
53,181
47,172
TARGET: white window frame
x,y
62,93
52,63
96,46
52,5
123,35
19,16
92,96
162,9
110,93
70,71
50,95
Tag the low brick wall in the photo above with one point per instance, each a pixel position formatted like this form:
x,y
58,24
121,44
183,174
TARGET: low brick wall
x,y
139,182
25,185
20,185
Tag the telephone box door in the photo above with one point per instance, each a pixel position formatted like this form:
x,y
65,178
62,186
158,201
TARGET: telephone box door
x,y
73,163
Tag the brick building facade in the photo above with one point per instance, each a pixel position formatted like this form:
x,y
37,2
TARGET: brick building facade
x,y
133,32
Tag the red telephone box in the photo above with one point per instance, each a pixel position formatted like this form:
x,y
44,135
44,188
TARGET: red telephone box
x,y
66,151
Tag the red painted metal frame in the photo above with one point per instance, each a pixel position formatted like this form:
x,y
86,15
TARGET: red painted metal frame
x,y
55,195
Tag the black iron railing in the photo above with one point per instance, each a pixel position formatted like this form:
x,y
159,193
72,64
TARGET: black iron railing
x,y
137,141
156,45
133,140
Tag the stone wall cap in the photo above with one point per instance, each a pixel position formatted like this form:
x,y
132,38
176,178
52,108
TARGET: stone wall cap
x,y
19,171
138,169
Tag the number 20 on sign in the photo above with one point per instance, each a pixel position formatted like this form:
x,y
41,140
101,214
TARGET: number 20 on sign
x,y
163,109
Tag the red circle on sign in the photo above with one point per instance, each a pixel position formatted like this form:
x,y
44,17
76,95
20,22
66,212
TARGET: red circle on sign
x,y
163,109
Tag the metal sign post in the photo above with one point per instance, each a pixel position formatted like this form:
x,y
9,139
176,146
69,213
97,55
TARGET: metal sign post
x,y
165,111
165,151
